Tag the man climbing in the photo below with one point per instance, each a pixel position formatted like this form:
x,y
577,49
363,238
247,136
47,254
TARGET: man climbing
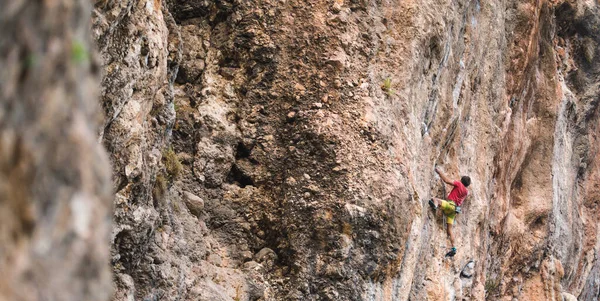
x,y
452,206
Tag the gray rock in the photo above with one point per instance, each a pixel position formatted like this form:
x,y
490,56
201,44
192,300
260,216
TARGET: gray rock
x,y
568,297
468,270
252,265
194,203
246,255
265,254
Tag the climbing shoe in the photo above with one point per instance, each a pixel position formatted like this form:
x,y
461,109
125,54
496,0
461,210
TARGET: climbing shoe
x,y
451,253
457,209
432,204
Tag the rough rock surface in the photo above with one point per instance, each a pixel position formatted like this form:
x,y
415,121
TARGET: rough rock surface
x,y
55,189
284,150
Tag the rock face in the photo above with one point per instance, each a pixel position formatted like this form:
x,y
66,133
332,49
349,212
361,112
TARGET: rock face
x,y
284,150
55,190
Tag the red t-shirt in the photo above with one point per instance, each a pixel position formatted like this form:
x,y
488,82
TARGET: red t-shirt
x,y
458,193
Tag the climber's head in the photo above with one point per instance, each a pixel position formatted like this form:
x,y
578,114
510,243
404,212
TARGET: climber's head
x,y
465,181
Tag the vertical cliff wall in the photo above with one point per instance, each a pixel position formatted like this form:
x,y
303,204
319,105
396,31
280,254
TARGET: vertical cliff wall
x,y
55,191
284,150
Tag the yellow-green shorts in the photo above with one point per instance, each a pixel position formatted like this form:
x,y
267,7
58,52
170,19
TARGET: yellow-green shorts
x,y
449,209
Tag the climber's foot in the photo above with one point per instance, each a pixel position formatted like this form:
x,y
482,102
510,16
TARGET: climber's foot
x,y
451,253
432,204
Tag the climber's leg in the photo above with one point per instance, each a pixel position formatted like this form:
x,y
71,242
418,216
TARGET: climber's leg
x,y
437,202
452,251
449,209
450,234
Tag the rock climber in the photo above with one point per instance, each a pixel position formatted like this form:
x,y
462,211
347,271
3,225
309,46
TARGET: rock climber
x,y
451,206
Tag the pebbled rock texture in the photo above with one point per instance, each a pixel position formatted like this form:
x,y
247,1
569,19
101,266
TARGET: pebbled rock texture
x,y
284,150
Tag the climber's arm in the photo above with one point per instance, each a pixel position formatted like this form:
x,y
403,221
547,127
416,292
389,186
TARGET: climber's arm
x,y
443,176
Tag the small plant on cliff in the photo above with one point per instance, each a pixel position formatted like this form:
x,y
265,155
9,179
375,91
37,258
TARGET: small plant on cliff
x,y
387,86
491,286
589,49
79,53
171,171
172,164
160,187
176,106
347,229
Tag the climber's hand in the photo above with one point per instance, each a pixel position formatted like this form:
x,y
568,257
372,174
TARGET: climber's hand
x,y
438,170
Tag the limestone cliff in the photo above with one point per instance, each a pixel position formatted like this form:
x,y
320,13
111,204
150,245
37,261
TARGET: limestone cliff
x,y
285,149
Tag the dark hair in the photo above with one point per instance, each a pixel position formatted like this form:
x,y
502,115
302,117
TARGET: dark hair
x,y
466,181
